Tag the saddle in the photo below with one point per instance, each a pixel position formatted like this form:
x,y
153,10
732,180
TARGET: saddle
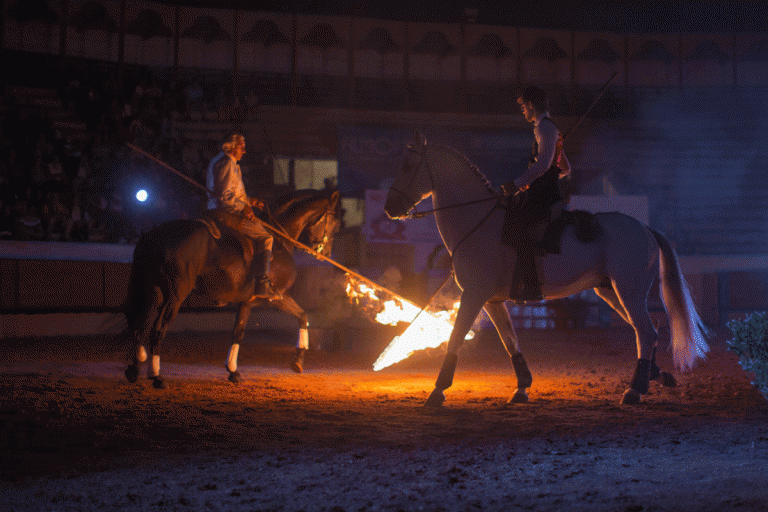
x,y
586,228
215,220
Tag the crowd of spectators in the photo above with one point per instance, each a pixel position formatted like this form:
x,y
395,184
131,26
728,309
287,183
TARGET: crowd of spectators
x,y
65,185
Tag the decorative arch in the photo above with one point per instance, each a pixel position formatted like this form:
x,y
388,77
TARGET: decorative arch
x,y
599,50
206,29
435,43
265,32
490,45
378,39
546,48
322,35
93,16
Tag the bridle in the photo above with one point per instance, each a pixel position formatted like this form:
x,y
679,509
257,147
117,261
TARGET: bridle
x,y
413,203
413,177
319,245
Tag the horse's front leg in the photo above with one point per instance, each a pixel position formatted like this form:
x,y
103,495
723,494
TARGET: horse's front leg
x,y
499,315
287,304
468,309
241,320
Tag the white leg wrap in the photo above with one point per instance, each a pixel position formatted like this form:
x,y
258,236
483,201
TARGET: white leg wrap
x,y
141,354
232,357
154,368
303,339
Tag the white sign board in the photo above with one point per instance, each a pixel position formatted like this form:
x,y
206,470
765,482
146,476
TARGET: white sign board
x,y
379,228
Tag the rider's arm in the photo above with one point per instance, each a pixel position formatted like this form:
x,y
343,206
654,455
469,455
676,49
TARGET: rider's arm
x,y
546,138
566,164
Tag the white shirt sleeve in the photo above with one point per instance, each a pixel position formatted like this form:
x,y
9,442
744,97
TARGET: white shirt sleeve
x,y
226,180
546,137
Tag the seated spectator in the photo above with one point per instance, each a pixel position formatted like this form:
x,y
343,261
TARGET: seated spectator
x,y
54,216
29,226
118,228
9,217
79,222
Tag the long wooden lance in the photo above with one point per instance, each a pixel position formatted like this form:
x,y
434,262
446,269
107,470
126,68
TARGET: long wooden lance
x,y
282,234
594,102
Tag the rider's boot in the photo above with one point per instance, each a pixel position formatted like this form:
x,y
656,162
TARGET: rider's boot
x,y
526,269
264,288
531,291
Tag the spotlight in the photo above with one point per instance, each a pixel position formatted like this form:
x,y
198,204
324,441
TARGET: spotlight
x,y
142,195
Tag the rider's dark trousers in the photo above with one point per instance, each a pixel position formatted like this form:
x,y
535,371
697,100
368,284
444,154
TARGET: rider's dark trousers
x,y
524,212
262,248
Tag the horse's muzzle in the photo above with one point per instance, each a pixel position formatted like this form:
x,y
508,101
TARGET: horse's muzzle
x,y
396,206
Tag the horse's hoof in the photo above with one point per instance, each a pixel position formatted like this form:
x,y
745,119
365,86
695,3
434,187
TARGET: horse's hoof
x,y
132,373
435,400
298,360
159,383
235,377
668,380
520,397
631,397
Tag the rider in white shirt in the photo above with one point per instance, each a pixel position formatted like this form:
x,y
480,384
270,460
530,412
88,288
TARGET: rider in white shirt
x,y
225,179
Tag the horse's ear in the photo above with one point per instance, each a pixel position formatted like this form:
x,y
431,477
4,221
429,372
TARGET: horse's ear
x,y
335,197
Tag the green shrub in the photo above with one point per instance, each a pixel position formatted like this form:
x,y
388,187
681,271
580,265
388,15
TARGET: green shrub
x,y
750,343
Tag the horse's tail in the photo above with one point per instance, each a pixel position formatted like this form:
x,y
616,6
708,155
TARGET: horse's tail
x,y
688,332
137,283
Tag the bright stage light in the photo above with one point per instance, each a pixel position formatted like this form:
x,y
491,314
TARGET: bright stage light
x,y
142,195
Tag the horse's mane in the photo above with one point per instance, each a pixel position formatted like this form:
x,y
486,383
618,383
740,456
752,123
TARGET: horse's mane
x,y
288,204
469,164
282,202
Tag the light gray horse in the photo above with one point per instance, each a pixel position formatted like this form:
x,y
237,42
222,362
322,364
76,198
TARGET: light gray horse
x,y
620,266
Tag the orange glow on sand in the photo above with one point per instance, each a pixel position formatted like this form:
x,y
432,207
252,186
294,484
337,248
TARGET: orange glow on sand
x,y
428,329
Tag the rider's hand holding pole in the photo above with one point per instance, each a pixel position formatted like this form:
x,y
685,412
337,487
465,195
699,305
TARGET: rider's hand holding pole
x,y
250,215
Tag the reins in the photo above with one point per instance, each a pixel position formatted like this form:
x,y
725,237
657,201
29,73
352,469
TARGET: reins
x,y
418,214
432,183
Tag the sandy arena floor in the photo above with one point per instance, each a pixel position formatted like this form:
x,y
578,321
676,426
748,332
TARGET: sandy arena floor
x,y
75,435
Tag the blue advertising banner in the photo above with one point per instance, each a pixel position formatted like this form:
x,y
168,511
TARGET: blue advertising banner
x,y
369,156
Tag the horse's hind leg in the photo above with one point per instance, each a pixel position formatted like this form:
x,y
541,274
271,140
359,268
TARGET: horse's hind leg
x,y
166,314
610,297
140,329
633,298
499,315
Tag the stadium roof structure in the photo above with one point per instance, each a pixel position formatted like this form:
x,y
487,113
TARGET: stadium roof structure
x,y
636,16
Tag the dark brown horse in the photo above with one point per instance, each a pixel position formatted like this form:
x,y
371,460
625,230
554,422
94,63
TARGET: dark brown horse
x,y
181,257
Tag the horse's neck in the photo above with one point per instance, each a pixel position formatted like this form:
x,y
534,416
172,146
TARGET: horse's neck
x,y
295,223
456,184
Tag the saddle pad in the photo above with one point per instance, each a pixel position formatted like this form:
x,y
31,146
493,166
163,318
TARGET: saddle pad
x,y
215,220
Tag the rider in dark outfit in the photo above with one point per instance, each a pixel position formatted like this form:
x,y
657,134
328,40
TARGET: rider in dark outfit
x,y
538,190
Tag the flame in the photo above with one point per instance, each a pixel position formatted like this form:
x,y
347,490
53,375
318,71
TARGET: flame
x,y
428,329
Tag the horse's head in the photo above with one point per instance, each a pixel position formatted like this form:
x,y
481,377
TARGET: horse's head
x,y
322,230
412,183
